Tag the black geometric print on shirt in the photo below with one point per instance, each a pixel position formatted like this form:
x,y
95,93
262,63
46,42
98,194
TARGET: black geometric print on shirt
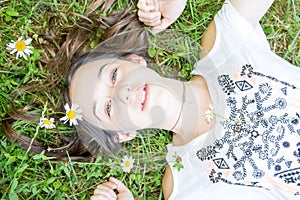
x,y
284,90
220,163
275,80
291,176
206,153
297,152
216,177
256,131
227,84
288,164
247,70
243,85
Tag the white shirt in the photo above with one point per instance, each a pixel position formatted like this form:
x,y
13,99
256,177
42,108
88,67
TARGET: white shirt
x,y
253,150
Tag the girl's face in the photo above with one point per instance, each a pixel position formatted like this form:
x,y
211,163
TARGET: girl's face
x,y
124,95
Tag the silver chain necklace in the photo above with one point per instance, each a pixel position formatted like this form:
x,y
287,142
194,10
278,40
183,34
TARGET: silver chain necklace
x,y
183,100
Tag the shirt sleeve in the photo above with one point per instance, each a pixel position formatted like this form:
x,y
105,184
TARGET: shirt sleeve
x,y
232,22
233,33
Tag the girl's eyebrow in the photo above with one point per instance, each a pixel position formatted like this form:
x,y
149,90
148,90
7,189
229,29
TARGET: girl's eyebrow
x,y
94,111
101,70
100,73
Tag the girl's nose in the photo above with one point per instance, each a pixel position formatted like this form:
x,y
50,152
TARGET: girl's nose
x,y
124,93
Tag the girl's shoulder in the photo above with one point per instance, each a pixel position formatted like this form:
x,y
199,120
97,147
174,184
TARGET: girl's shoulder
x,y
208,39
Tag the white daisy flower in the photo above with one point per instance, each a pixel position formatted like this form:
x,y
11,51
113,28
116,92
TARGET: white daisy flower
x,y
72,114
47,123
209,114
127,164
20,46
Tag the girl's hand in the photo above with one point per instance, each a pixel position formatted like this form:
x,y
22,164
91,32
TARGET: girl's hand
x,y
160,13
105,191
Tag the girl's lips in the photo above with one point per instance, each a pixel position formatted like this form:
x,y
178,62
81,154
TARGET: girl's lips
x,y
145,97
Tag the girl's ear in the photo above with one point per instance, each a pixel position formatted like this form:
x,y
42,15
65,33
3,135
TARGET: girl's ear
x,y
137,59
123,137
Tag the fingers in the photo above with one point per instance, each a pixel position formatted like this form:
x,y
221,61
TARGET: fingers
x,y
99,197
149,12
105,191
146,5
156,5
124,192
120,187
149,18
165,23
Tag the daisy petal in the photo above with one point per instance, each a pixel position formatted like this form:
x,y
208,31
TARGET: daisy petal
x,y
13,51
28,41
67,107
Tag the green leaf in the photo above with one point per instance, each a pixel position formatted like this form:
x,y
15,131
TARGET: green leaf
x,y
268,30
22,168
151,52
11,159
14,184
57,184
12,12
64,188
13,82
28,28
7,18
3,143
26,78
178,166
12,193
50,180
67,172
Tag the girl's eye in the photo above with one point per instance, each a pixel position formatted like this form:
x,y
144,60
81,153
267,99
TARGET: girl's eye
x,y
108,108
114,76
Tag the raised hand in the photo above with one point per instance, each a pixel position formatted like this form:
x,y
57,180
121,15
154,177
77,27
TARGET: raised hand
x,y
160,14
106,191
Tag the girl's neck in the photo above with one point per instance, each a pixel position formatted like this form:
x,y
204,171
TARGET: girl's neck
x,y
192,123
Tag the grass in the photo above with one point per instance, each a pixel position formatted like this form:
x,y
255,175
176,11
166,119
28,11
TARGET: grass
x,y
27,176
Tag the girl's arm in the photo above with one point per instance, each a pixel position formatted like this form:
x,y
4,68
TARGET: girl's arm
x,y
252,10
162,13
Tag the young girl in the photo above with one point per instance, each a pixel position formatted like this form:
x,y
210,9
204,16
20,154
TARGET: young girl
x,y
236,123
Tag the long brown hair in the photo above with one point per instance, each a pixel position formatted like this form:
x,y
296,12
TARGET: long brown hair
x,y
72,42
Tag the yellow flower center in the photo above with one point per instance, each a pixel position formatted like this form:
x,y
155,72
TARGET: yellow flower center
x,y
127,163
20,45
71,114
47,122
